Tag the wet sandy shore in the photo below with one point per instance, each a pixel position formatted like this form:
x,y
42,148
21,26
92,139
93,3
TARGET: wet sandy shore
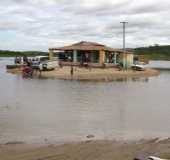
x,y
87,150
94,74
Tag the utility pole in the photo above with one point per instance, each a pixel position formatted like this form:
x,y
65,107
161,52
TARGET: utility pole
x,y
124,43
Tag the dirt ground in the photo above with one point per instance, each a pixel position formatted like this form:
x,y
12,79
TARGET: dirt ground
x,y
94,74
87,150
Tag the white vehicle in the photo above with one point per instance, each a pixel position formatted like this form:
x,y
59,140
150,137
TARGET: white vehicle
x,y
155,158
48,65
149,158
138,67
39,59
43,63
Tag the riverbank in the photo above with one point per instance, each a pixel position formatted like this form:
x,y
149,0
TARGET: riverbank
x,y
92,150
93,74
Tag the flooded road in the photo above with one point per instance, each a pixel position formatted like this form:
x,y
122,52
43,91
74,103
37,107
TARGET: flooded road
x,y
50,110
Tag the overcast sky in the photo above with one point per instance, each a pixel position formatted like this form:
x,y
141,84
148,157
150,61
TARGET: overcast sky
x,y
40,24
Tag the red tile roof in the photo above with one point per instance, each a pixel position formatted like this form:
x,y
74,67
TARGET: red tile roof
x,y
83,45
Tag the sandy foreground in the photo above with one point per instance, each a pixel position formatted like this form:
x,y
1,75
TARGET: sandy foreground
x,y
87,150
94,74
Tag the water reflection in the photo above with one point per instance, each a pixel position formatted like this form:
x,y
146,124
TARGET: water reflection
x,y
125,79
140,79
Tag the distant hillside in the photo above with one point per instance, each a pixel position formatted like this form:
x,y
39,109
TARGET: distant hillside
x,y
155,52
6,53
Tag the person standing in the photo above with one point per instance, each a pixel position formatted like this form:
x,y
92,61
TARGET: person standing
x,y
16,60
25,60
71,71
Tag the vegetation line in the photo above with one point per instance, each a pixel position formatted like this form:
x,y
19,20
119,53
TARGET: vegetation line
x,y
155,52
6,53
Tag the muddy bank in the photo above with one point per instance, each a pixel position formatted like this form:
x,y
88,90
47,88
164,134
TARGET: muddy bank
x,y
92,150
94,74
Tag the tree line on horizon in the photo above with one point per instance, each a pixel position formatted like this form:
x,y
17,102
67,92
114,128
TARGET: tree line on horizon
x,y
8,53
155,52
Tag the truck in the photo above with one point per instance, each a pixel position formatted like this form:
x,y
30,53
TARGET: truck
x,y
43,63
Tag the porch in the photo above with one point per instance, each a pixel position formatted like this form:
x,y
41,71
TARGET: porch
x,y
92,57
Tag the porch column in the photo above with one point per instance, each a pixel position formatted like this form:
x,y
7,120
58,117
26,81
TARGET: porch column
x,y
101,56
115,58
51,54
74,55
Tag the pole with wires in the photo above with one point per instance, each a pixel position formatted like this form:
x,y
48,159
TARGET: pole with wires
x,y
124,44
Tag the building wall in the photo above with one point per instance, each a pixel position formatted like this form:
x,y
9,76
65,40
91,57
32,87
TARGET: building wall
x,y
127,59
99,57
51,55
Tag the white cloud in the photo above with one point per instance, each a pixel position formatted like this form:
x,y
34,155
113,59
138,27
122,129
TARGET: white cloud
x,y
44,23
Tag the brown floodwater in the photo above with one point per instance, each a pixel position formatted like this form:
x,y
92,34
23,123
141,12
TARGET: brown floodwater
x,y
51,110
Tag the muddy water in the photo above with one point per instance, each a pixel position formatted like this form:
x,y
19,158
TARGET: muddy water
x,y
49,110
